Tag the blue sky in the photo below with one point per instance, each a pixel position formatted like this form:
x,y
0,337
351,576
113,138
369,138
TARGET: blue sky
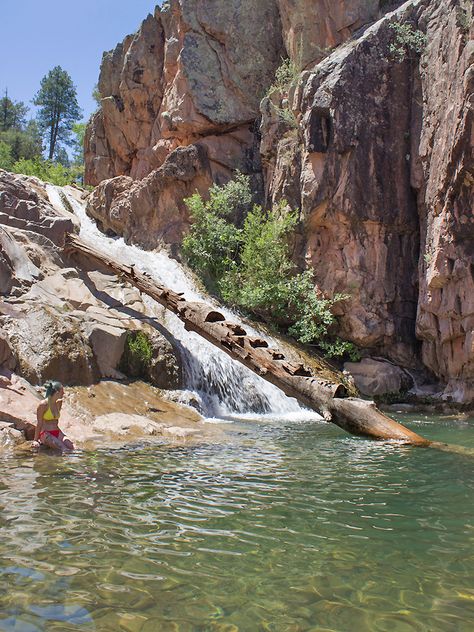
x,y
36,35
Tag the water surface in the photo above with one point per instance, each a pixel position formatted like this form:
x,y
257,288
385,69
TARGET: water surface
x,y
285,527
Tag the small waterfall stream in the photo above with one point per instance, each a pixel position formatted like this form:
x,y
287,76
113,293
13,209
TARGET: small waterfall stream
x,y
225,387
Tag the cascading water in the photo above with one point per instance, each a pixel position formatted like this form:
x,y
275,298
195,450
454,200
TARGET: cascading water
x,y
224,386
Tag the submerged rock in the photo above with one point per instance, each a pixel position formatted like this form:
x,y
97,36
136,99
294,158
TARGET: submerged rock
x,y
378,377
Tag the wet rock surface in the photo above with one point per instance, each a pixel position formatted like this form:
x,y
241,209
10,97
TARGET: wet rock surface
x,y
61,319
107,414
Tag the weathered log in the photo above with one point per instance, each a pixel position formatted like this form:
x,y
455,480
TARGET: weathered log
x,y
295,379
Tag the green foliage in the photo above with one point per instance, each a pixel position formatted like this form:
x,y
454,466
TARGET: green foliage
x,y
79,132
61,157
12,114
24,143
137,355
464,18
338,348
6,160
46,170
212,245
286,75
288,116
407,41
97,96
249,267
58,108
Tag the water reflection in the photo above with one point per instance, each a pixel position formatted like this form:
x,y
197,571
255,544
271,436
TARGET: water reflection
x,y
286,527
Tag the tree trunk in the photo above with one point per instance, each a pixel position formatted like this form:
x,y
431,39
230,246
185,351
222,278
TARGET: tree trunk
x,y
295,379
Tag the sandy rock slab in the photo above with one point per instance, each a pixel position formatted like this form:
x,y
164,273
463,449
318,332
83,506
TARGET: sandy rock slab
x,y
107,414
18,403
112,412
121,425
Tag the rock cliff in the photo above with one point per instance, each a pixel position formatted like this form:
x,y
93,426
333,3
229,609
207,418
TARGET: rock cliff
x,y
372,142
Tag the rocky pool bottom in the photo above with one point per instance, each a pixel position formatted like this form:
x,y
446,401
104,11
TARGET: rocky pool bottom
x,y
286,526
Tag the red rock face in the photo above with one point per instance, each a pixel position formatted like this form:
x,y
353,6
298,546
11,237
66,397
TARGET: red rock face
x,y
384,162
195,71
377,153
443,175
361,228
311,28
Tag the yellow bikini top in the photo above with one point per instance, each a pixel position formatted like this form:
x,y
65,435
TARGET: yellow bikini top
x,y
48,415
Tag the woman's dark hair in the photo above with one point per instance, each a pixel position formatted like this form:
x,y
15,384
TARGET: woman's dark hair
x,y
52,387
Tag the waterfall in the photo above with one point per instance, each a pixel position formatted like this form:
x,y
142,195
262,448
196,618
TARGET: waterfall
x,y
225,387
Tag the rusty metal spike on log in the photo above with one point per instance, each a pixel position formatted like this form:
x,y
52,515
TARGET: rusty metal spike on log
x,y
330,399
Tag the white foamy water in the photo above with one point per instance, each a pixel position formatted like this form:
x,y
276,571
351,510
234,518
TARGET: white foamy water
x,y
225,387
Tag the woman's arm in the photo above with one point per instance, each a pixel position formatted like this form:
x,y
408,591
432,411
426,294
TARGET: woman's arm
x,y
39,420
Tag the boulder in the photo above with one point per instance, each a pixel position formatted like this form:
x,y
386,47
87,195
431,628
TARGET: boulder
x,y
165,369
107,343
7,358
49,345
377,377
25,204
152,210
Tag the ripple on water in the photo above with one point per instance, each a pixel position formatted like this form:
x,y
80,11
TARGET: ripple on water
x,y
289,527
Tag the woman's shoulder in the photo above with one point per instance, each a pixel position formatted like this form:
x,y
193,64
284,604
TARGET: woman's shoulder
x,y
43,404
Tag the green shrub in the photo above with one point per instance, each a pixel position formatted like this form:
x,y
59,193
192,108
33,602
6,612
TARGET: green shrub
x,y
6,161
249,267
407,41
464,19
213,242
137,355
286,75
52,172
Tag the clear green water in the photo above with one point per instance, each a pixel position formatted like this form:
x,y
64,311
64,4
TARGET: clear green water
x,y
288,527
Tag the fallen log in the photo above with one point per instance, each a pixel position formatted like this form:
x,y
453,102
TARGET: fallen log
x,y
329,398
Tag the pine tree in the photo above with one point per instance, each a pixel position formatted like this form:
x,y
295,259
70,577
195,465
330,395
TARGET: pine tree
x,y
12,115
58,108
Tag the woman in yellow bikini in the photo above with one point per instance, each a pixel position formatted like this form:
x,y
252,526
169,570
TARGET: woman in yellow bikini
x,y
47,415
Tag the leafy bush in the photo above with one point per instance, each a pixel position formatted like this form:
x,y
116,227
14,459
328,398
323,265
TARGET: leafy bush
x,y
6,161
464,19
137,355
249,267
407,41
286,74
55,173
214,241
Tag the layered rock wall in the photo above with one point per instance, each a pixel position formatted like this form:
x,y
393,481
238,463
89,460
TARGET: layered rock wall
x,y
443,176
360,222
374,148
196,70
382,151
